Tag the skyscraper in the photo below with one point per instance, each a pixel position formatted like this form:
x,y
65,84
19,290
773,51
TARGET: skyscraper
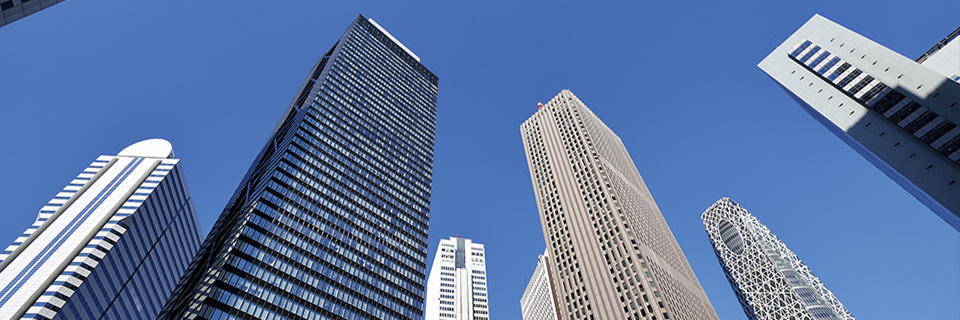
x,y
538,301
612,254
457,287
111,245
898,113
330,220
768,279
13,10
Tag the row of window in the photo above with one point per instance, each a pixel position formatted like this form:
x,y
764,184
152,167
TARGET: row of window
x,y
913,117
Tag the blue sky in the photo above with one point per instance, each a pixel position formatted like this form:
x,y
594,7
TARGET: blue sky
x,y
676,80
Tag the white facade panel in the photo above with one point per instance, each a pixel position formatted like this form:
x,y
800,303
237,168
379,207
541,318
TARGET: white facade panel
x,y
537,301
897,113
457,284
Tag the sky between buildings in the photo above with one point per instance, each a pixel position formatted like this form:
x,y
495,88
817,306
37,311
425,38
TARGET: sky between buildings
x,y
677,81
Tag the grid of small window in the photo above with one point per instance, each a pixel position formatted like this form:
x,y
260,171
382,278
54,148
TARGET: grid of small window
x,y
331,220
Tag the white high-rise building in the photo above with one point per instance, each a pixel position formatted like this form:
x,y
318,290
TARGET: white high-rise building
x,y
612,254
537,301
899,113
111,245
768,279
457,285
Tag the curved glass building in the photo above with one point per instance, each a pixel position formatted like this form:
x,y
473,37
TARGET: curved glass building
x,y
111,245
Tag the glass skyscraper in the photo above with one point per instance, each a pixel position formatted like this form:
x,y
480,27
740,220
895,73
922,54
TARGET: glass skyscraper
x,y
898,113
330,221
768,279
111,245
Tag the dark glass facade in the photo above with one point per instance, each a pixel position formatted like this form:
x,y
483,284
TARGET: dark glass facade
x,y
330,221
13,10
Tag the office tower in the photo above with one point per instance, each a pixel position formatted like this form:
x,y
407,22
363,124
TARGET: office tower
x,y
111,245
13,10
330,221
612,254
537,301
768,279
899,114
457,287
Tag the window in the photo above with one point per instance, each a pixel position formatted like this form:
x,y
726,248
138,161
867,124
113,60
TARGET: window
x,y
904,112
846,80
800,49
809,54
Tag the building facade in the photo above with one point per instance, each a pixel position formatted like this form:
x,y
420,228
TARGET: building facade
x,y
111,245
612,254
330,221
898,113
768,279
13,10
538,301
457,287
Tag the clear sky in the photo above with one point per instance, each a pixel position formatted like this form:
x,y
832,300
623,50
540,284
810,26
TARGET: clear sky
x,y
676,80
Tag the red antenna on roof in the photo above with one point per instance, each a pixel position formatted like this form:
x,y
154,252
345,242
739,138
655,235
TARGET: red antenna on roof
x,y
458,236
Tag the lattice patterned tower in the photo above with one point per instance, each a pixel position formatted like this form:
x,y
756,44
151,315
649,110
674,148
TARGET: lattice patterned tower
x,y
768,279
330,221
612,254
457,287
898,113
111,245
538,301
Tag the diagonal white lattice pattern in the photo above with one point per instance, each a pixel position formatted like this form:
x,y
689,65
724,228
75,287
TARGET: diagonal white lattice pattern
x,y
768,279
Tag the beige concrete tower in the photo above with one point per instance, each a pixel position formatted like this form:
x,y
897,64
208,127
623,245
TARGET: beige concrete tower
x,y
612,254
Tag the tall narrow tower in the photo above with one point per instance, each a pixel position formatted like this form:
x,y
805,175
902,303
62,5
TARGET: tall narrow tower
x,y
898,113
612,254
330,221
768,279
457,287
111,245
